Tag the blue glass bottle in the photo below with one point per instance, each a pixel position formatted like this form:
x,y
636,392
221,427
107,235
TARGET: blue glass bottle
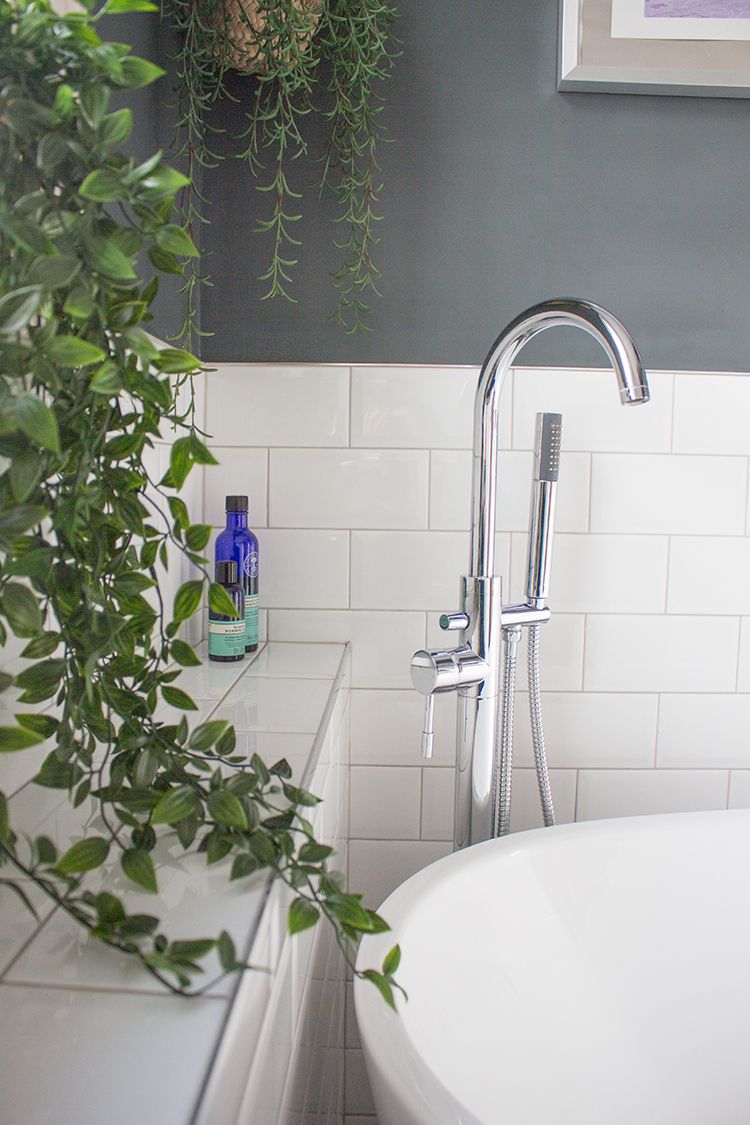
x,y
237,543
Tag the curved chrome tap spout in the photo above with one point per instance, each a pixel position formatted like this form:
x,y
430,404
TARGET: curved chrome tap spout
x,y
631,377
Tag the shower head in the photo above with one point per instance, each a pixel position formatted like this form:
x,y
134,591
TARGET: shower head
x,y
547,447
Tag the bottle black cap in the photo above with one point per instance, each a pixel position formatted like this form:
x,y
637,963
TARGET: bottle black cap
x,y
235,504
226,572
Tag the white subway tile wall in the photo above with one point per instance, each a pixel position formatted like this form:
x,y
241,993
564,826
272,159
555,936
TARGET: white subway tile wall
x,y
359,481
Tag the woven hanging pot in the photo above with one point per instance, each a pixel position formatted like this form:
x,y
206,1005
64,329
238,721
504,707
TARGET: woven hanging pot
x,y
241,21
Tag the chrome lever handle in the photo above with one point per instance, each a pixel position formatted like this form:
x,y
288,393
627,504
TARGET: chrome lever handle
x,y
454,622
428,733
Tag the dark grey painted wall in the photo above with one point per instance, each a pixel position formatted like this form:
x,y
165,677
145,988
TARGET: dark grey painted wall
x,y
501,191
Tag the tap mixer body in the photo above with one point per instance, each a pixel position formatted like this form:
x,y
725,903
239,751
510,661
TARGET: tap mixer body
x,y
473,668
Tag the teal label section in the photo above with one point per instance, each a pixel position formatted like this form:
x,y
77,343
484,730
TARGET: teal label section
x,y
226,638
251,619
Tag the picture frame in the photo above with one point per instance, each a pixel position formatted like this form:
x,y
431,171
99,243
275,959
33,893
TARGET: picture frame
x,y
591,59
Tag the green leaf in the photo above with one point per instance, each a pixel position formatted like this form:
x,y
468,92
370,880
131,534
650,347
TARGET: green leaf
x,y
102,186
176,697
114,6
383,986
116,127
227,954
139,868
106,379
176,361
164,181
314,853
78,304
37,421
243,865
53,271
44,725
197,536
93,102
227,809
109,909
175,805
46,674
16,738
46,850
22,610
71,351
207,734
24,474
4,818
176,240
391,961
107,259
139,72
187,599
184,654
16,521
220,601
84,856
17,309
64,103
42,645
301,916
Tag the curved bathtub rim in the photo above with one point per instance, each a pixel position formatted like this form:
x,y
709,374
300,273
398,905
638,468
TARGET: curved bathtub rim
x,y
388,1047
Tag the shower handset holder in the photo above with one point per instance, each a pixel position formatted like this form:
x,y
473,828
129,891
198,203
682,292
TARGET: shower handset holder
x,y
439,671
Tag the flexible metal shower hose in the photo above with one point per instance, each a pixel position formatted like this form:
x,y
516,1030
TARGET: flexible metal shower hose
x,y
504,782
537,727
504,759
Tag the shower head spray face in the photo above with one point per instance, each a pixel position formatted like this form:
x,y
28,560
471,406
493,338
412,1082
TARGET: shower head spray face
x,y
543,495
547,447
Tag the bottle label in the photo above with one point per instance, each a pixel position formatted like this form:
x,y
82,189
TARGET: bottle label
x,y
250,565
251,619
226,638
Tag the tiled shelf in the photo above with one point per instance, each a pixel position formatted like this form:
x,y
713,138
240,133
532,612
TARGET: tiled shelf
x,y
110,1042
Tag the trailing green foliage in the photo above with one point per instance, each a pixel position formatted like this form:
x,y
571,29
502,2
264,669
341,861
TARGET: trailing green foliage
x,y
84,525
326,57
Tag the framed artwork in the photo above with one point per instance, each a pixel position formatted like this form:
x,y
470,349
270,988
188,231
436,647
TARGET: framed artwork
x,y
696,47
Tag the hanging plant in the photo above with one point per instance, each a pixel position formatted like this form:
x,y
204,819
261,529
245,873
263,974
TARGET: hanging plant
x,y
84,392
301,58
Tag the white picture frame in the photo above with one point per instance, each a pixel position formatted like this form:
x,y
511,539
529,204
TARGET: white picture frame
x,y
591,59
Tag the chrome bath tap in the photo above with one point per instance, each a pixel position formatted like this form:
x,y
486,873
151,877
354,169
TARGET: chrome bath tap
x,y
473,668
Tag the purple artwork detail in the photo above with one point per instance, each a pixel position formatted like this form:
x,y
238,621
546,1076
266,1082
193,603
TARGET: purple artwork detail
x,y
697,9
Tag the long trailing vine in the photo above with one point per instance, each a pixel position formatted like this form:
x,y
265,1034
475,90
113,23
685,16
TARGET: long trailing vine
x,y
307,56
85,527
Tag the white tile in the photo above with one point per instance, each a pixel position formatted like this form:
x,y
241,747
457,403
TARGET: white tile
x,y
593,418
526,809
240,472
249,404
61,1025
377,867
704,731
304,569
668,495
711,414
211,679
357,1096
370,488
739,789
601,573
17,923
384,803
382,642
438,800
641,653
450,491
292,706
743,670
709,575
407,569
591,730
417,407
387,727
607,793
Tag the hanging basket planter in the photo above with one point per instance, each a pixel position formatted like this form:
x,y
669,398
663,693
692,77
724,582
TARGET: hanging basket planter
x,y
247,45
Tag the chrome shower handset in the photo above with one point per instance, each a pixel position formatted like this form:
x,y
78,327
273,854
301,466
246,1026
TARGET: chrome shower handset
x,y
547,448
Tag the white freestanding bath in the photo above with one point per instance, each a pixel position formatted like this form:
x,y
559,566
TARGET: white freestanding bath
x,y
591,974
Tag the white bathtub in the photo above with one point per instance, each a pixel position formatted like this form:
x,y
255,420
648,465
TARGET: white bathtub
x,y
592,974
